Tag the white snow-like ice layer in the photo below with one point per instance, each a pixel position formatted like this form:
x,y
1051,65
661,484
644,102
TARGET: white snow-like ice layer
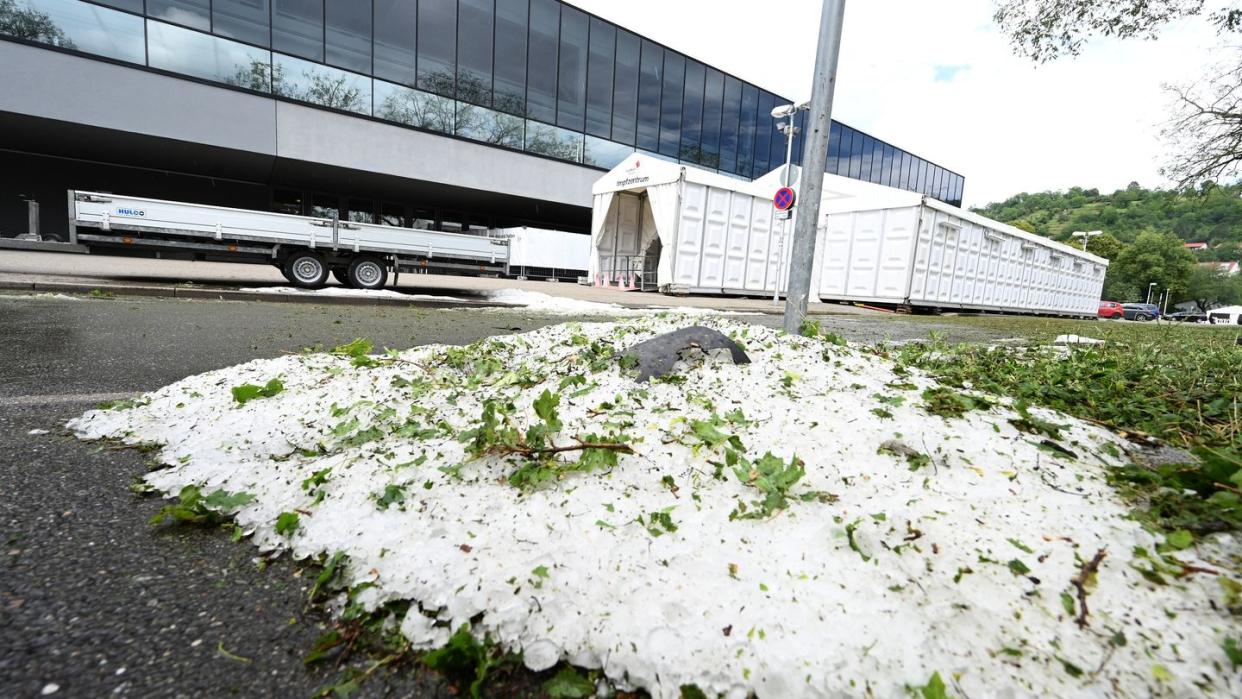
x,y
343,291
909,571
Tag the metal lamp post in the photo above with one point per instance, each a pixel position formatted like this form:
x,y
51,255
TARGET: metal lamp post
x,y
1085,235
814,163
1150,287
790,130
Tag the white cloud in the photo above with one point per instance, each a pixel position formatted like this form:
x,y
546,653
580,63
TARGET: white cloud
x,y
1003,122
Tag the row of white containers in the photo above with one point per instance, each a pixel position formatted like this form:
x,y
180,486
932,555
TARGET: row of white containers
x,y
876,244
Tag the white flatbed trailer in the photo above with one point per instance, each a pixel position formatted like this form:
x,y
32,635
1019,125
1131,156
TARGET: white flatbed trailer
x,y
305,248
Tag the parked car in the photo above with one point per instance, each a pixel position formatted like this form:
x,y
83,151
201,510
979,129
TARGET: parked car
x,y
1140,311
1111,309
1188,317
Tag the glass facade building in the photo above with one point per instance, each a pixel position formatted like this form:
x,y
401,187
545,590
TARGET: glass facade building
x,y
538,76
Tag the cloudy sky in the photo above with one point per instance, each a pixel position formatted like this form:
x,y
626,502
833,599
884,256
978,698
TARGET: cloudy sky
x,y
937,79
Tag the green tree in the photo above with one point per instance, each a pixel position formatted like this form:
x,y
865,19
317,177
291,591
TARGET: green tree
x,y
1208,286
1023,224
1153,257
1105,245
1204,131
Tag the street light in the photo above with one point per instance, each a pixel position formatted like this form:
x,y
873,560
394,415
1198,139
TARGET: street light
x,y
1085,235
785,111
1149,289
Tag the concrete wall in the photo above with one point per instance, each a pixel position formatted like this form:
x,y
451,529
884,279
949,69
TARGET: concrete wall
x,y
48,84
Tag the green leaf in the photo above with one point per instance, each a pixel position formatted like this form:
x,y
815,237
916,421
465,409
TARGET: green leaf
x,y
287,523
545,408
225,501
1017,567
691,691
568,684
1180,539
1020,546
934,689
247,392
540,572
1232,651
1070,668
1067,602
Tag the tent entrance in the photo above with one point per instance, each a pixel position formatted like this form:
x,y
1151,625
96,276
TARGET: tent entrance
x,y
629,246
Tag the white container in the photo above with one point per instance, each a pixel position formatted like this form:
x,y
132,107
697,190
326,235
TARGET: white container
x,y
545,251
700,232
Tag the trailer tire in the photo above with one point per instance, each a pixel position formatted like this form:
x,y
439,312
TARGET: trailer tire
x,y
341,275
367,272
306,269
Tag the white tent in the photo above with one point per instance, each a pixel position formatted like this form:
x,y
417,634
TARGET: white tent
x,y
682,229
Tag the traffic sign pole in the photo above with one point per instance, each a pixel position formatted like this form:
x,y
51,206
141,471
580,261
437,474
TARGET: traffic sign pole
x,y
814,163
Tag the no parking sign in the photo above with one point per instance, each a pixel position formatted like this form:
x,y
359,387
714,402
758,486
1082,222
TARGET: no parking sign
x,y
784,199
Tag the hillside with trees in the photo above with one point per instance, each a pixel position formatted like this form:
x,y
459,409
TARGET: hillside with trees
x,y
1144,235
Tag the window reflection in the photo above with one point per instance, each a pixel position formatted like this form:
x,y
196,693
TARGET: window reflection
x,y
208,57
553,141
190,13
69,24
319,84
605,154
406,106
489,126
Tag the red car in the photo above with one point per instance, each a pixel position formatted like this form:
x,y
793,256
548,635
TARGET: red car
x,y
1111,309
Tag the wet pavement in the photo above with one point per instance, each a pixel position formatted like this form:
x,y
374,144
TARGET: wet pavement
x,y
93,600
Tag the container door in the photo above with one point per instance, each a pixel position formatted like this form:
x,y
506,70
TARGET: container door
x,y
738,242
757,259
690,235
715,238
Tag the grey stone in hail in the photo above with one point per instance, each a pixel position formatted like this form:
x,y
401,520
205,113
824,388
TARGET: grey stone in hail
x,y
657,356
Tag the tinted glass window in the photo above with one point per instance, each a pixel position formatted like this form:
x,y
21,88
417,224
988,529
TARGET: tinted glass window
x,y
692,114
403,105
392,214
437,45
349,34
728,124
554,142
605,154
650,83
763,134
933,187
776,139
571,87
671,103
868,165
475,27
713,98
131,5
361,210
545,29
320,84
395,24
488,126
297,28
188,13
245,20
287,201
81,27
746,131
211,58
599,78
856,154
834,148
921,182
887,174
510,71
625,88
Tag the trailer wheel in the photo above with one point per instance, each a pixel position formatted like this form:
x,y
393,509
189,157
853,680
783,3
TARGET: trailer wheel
x,y
306,269
341,275
367,273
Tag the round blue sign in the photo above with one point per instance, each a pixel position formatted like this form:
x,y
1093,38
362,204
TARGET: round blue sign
x,y
784,199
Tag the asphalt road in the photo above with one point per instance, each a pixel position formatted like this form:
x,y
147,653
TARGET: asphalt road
x,y
93,600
